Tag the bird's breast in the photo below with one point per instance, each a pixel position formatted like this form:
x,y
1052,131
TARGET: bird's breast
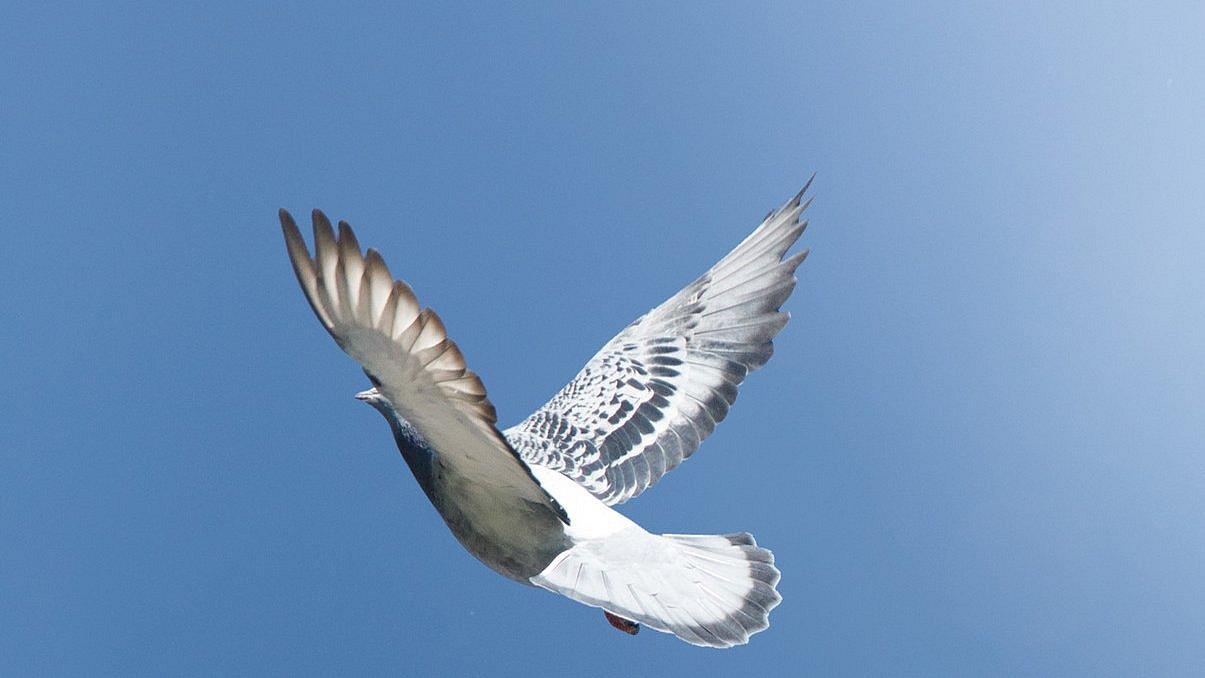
x,y
513,536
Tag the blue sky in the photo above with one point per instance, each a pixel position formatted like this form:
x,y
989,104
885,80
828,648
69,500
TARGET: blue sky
x,y
977,451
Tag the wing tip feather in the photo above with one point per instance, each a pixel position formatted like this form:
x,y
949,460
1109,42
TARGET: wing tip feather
x,y
318,218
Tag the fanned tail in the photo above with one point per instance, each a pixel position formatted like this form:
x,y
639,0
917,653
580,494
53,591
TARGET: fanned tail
x,y
710,590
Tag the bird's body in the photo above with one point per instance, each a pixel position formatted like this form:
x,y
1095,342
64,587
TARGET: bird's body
x,y
534,502
512,536
522,541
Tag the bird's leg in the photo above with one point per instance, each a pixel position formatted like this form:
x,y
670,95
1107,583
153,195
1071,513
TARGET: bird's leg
x,y
626,625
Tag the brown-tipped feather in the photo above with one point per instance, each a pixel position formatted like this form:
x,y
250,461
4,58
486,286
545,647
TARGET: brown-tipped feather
x,y
376,300
407,336
326,259
353,265
377,286
303,266
433,332
405,349
450,359
388,312
407,307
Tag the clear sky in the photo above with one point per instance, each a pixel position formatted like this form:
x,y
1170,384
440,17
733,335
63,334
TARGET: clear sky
x,y
979,449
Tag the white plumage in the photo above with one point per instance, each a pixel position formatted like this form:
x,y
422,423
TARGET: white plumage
x,y
533,503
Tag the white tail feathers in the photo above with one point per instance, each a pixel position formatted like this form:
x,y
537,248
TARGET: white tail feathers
x,y
710,590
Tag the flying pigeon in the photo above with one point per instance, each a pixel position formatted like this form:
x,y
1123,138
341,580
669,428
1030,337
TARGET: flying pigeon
x,y
534,502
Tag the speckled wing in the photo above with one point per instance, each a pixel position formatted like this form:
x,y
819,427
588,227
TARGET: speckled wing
x,y
407,354
655,391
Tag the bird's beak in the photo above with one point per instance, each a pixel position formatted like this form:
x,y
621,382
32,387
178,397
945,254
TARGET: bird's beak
x,y
368,395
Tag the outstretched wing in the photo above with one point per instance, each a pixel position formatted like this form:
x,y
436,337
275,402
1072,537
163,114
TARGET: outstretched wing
x,y
655,391
405,350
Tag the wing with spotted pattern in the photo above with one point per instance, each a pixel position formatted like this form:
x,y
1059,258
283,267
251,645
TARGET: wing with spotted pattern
x,y
655,391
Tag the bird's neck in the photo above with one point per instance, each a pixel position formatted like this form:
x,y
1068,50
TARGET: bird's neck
x,y
418,454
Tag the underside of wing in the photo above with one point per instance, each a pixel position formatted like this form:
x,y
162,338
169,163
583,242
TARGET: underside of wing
x,y
407,354
654,392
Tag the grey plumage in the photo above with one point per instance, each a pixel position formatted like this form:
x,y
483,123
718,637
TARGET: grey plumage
x,y
425,385
533,503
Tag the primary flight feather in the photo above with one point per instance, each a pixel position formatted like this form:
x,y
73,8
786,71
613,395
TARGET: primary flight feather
x,y
534,502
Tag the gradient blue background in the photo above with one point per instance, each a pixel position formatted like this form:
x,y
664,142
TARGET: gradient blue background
x,y
978,450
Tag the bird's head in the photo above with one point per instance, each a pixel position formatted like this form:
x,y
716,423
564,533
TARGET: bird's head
x,y
375,398
407,437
